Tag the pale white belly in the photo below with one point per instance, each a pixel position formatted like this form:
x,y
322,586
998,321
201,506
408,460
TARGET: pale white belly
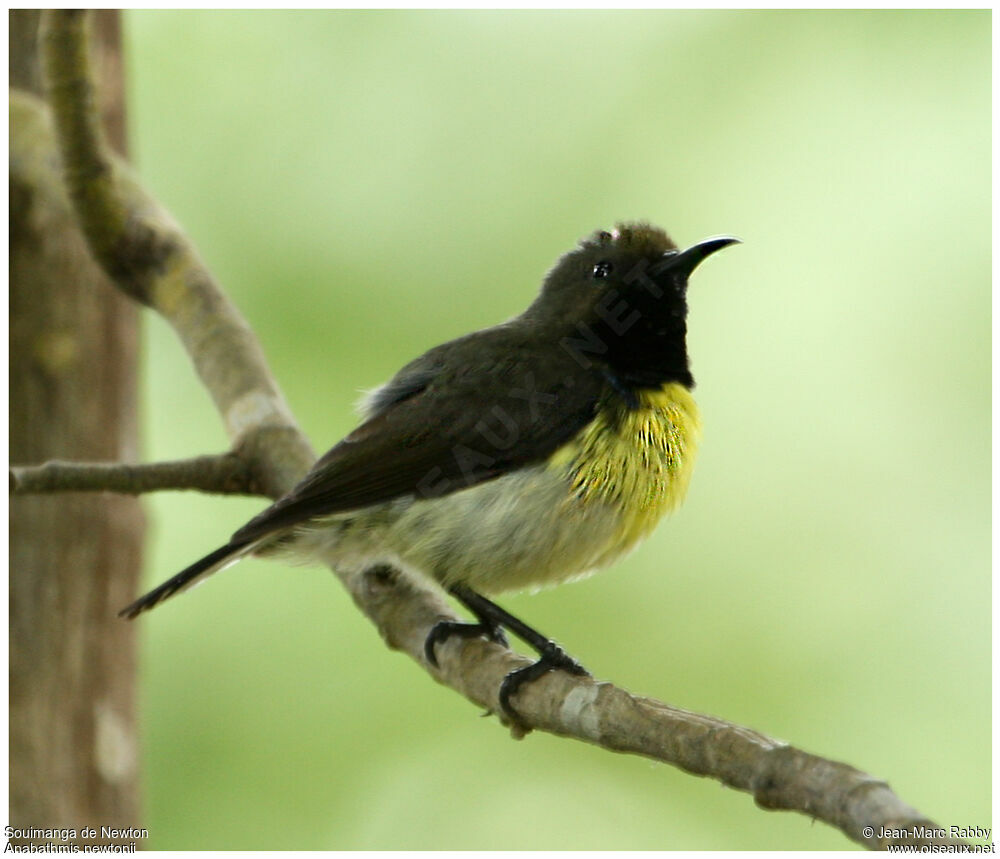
x,y
524,530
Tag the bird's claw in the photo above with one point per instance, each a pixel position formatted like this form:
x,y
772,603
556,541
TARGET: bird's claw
x,y
552,658
492,620
445,629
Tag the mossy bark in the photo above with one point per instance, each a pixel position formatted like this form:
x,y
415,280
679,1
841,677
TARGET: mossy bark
x,y
74,558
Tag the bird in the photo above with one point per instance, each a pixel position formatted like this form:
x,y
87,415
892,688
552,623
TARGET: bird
x,y
516,457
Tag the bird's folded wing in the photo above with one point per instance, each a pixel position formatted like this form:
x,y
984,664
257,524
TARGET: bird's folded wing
x,y
451,434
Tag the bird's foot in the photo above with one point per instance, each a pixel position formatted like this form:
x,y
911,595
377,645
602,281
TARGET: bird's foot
x,y
445,629
551,658
492,622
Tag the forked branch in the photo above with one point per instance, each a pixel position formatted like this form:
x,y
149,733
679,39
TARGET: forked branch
x,y
150,259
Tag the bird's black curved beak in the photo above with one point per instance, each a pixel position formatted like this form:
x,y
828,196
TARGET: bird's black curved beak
x,y
682,263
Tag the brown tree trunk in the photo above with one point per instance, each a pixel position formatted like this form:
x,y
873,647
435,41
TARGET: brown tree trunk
x,y
74,558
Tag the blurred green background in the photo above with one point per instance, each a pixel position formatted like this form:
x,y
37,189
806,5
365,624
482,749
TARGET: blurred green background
x,y
368,184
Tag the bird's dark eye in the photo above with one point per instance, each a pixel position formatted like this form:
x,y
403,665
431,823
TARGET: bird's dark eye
x,y
602,269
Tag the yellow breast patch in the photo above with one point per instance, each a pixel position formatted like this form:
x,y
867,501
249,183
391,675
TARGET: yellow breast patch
x,y
637,460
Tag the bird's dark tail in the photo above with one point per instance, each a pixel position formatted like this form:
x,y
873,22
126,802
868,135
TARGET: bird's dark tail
x,y
190,576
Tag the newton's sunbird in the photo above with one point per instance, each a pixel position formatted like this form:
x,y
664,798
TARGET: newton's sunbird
x,y
519,456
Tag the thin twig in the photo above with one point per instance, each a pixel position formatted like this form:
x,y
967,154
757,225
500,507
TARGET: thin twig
x,y
152,260
224,473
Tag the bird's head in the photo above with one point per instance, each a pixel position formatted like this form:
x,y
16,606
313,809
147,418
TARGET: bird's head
x,y
620,301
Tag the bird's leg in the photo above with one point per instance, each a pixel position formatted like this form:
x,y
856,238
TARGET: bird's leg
x,y
492,620
445,629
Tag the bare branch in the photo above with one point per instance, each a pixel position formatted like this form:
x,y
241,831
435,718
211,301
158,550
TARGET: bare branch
x,y
225,473
149,258
778,775
153,261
